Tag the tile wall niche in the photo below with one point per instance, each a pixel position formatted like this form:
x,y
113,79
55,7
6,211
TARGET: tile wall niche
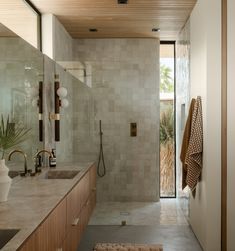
x,y
182,104
125,89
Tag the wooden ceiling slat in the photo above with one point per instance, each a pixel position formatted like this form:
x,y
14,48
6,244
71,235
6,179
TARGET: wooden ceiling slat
x,y
18,17
137,18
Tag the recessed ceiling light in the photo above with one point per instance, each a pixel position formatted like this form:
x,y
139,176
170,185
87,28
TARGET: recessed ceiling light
x,y
122,1
155,29
93,30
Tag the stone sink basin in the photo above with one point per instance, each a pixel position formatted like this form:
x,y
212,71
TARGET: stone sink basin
x,y
60,174
6,235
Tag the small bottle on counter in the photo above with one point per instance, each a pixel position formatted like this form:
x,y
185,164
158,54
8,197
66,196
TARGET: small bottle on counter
x,y
52,160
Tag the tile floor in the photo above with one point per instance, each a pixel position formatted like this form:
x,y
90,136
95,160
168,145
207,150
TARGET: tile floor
x,y
153,223
167,212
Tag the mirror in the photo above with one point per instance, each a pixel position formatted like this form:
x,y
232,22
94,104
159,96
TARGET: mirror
x,y
22,19
76,120
21,69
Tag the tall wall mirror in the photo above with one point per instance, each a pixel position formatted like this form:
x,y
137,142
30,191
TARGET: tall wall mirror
x,y
77,119
21,70
73,139
22,19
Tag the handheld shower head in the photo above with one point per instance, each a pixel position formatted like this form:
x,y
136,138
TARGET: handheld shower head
x,y
101,154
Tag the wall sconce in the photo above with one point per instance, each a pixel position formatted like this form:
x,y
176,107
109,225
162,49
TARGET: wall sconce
x,y
62,93
37,100
60,101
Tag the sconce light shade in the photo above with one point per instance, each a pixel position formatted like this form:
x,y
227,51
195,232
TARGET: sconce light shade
x,y
33,92
35,102
59,94
64,103
62,92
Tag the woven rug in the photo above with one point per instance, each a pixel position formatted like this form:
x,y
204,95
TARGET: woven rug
x,y
127,247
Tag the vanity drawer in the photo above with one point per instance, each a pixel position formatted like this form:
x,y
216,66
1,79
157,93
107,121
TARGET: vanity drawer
x,y
50,235
31,243
92,201
52,232
85,184
92,178
73,235
92,188
74,203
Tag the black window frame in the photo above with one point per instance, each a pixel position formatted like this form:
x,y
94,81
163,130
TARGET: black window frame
x,y
172,42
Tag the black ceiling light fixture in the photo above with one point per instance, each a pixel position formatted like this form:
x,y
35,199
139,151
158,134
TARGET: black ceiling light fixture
x,y
122,1
155,29
93,30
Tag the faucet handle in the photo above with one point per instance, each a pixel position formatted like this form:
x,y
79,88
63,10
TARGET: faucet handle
x,y
38,159
37,163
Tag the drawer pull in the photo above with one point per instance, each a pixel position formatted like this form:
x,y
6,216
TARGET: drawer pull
x,y
94,189
88,202
75,222
59,249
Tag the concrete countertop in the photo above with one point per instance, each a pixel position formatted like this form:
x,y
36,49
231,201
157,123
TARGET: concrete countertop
x,y
31,199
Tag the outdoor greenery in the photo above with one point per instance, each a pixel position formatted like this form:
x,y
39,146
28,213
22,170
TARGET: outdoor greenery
x,y
167,151
167,134
166,81
167,125
11,134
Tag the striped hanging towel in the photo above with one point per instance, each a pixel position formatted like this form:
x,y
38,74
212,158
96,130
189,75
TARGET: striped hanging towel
x,y
185,143
193,158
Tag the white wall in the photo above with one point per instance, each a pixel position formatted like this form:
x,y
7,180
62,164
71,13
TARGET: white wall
x,y
182,106
231,125
198,87
56,41
206,81
47,35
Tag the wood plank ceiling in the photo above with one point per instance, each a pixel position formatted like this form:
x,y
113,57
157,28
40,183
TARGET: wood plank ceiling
x,y
137,18
18,17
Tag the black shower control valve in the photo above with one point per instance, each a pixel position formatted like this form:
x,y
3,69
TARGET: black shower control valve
x,y
133,129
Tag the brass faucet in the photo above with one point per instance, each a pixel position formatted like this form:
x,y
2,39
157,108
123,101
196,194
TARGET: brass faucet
x,y
25,159
37,155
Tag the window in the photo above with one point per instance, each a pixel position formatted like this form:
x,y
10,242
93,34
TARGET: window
x,y
167,120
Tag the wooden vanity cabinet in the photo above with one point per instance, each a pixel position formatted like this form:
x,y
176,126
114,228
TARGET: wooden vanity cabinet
x,y
92,174
53,230
74,205
78,217
31,243
63,228
50,234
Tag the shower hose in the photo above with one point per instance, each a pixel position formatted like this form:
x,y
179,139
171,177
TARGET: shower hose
x,y
101,172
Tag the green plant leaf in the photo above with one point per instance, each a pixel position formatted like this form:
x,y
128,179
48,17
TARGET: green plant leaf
x,y
166,81
167,126
11,135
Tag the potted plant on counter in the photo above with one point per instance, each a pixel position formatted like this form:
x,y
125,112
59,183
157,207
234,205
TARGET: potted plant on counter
x,y
11,135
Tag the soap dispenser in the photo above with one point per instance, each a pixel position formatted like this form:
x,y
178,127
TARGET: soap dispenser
x,y
52,160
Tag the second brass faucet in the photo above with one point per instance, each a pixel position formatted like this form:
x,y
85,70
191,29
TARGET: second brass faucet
x,y
37,167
